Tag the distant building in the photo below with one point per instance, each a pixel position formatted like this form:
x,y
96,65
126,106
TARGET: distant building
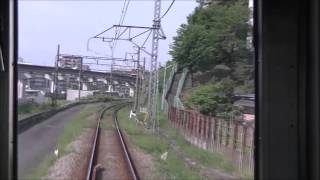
x,y
246,103
41,78
72,62
37,96
22,61
247,106
130,72
85,67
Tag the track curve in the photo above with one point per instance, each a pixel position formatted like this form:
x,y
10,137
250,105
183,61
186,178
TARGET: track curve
x,y
118,139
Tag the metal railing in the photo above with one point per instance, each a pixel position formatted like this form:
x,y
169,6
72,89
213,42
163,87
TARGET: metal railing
x,y
177,101
167,87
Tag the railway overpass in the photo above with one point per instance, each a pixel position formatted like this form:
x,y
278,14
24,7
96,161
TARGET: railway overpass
x,y
36,77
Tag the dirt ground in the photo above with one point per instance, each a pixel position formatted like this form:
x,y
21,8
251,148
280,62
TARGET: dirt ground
x,y
110,158
73,165
144,164
205,172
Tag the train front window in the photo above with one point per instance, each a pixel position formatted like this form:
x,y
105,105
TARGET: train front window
x,y
125,89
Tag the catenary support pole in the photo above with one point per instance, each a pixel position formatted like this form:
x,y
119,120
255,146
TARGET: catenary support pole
x,y
152,99
55,84
80,74
136,103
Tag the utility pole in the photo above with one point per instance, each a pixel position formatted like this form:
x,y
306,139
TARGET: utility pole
x,y
156,119
107,78
143,77
136,103
80,71
55,81
157,34
152,99
142,83
111,81
164,87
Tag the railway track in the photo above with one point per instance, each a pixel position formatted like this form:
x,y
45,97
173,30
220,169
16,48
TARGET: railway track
x,y
127,166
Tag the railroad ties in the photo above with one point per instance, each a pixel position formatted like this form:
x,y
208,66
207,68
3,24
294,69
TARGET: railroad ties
x,y
109,156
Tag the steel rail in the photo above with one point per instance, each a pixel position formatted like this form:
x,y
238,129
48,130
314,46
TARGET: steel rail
x,y
93,154
92,170
133,171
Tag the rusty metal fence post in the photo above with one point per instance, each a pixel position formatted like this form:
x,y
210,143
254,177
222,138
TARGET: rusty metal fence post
x,y
212,133
207,132
242,148
235,142
216,134
193,127
189,122
197,129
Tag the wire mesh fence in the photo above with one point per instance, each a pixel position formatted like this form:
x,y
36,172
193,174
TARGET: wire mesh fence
x,y
232,138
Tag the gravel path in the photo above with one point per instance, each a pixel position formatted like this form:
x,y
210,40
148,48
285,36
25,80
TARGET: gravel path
x,y
40,140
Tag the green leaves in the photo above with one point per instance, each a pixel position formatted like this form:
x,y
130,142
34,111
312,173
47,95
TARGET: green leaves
x,y
215,34
212,98
215,41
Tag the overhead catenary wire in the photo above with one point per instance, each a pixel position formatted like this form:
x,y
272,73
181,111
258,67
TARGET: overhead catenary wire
x,y
168,9
125,12
118,29
157,33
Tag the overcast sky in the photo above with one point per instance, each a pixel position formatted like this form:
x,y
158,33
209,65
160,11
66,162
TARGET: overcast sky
x,y
44,24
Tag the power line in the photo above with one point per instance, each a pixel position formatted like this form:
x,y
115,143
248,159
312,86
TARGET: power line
x,y
157,34
117,31
122,17
125,12
168,9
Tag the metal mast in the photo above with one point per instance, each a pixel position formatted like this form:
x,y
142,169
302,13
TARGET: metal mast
x,y
157,34
80,76
143,84
137,93
55,84
154,61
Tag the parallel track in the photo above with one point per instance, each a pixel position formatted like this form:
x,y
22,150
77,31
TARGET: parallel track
x,y
92,166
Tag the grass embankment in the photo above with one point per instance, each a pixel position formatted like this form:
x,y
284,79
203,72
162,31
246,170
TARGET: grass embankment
x,y
174,167
32,108
72,130
201,156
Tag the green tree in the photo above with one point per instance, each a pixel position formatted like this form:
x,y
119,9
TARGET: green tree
x,y
212,98
214,41
214,35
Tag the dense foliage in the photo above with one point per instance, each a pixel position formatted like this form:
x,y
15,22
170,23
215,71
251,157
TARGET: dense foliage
x,y
212,98
32,107
214,41
214,35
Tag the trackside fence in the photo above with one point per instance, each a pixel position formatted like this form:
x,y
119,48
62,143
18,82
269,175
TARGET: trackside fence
x,y
234,139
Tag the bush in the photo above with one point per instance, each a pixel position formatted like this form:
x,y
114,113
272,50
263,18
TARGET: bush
x,y
32,107
212,98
